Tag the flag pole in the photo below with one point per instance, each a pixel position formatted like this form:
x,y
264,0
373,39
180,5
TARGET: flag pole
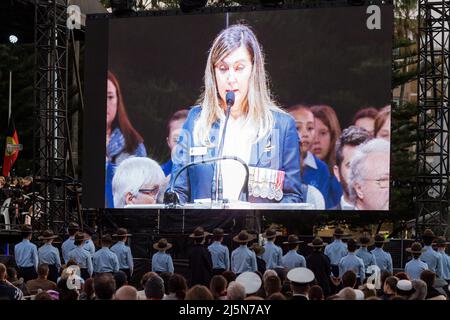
x,y
10,95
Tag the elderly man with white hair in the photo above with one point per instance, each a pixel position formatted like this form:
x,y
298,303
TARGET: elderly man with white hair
x,y
137,180
369,176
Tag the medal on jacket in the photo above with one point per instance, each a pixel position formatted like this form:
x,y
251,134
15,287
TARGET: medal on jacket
x,y
265,183
279,185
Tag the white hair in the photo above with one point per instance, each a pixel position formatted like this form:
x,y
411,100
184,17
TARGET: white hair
x,y
268,273
357,164
131,175
235,291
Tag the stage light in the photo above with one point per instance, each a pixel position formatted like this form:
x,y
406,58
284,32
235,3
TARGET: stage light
x,y
191,5
13,39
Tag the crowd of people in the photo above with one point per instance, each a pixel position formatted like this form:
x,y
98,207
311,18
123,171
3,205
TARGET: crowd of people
x,y
295,154
16,196
344,269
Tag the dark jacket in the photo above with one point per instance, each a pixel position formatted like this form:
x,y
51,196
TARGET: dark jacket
x,y
320,265
200,264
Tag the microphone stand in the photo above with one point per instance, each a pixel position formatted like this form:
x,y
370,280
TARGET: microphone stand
x,y
171,197
217,182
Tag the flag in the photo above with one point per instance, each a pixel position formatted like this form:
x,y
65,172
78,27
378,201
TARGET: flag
x,y
12,148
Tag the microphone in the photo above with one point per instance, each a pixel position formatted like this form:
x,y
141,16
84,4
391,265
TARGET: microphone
x,y
217,181
171,197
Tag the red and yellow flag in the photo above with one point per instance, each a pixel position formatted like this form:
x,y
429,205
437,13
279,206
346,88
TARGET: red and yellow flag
x,y
12,147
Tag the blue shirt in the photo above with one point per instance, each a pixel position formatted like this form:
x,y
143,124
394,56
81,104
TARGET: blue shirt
x,y
353,263
83,259
336,251
105,261
367,257
383,259
89,246
433,260
162,262
167,167
272,255
335,193
50,255
316,173
220,255
445,265
243,259
66,247
124,256
414,268
26,254
293,260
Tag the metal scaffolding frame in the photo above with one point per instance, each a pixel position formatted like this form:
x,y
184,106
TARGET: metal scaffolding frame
x,y
432,150
51,131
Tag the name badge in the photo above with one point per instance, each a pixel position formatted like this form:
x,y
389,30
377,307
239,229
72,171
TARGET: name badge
x,y
198,151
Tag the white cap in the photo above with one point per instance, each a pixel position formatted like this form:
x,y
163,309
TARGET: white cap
x,y
404,285
359,294
250,280
300,275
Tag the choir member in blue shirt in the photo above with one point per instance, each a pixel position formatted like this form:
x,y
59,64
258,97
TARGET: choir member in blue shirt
x,y
26,255
382,258
89,244
162,261
242,258
414,267
336,250
219,253
353,263
81,256
50,255
441,243
292,259
69,245
123,252
104,260
429,256
367,257
273,253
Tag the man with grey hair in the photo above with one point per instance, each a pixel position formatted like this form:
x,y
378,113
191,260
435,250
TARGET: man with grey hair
x,y
346,147
137,180
235,291
369,176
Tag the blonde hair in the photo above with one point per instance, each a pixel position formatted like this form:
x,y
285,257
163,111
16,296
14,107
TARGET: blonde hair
x,y
258,105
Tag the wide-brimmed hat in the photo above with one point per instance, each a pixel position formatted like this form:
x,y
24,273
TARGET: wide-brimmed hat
x,y
162,244
73,226
428,233
80,236
121,232
271,233
300,275
47,235
259,250
440,242
293,239
250,280
218,232
317,243
199,232
365,239
340,232
379,238
243,237
26,228
416,247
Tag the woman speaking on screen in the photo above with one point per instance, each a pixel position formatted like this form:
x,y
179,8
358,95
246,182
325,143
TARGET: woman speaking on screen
x,y
257,131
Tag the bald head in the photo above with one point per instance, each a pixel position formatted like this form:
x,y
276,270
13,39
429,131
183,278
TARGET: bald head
x,y
126,293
